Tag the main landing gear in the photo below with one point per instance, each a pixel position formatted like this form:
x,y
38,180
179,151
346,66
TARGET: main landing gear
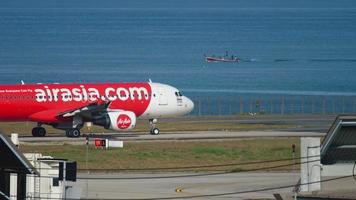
x,y
74,132
38,132
154,130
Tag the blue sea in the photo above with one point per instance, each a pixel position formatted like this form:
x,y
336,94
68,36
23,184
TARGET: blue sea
x,y
302,52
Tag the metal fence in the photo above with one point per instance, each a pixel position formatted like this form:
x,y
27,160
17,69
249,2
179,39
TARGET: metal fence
x,y
274,105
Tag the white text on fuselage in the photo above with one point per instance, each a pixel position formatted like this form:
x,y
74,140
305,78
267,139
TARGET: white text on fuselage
x,y
90,94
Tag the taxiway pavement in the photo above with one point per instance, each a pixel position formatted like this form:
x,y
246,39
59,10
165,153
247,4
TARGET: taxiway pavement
x,y
189,135
234,185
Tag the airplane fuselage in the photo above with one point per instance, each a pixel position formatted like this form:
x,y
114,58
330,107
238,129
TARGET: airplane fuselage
x,y
57,103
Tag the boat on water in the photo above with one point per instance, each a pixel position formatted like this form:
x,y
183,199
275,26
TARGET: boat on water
x,y
225,58
221,59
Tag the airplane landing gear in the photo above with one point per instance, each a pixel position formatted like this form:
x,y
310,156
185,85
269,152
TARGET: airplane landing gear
x,y
154,130
74,132
38,132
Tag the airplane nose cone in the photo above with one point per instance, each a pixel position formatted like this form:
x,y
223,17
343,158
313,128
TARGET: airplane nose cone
x,y
189,105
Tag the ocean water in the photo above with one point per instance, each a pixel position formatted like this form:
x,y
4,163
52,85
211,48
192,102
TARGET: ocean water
x,y
293,50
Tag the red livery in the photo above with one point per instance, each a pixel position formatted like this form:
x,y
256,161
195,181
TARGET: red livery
x,y
111,105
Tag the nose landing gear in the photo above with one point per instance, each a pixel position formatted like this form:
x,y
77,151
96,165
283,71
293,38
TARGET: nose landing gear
x,y
154,130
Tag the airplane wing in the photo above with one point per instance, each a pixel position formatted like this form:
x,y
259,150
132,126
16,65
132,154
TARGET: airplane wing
x,y
54,115
92,107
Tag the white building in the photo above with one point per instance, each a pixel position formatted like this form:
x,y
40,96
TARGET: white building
x,y
48,185
33,176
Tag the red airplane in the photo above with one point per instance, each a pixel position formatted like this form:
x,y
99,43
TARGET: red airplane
x,y
114,106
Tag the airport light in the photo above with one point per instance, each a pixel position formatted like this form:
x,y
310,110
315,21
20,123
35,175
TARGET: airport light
x,y
100,143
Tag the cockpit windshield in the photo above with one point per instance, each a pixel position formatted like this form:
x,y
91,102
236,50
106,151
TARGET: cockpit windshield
x,y
178,94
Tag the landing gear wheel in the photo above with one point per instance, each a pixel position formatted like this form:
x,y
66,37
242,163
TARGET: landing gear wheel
x,y
154,131
73,132
68,133
41,132
38,132
35,132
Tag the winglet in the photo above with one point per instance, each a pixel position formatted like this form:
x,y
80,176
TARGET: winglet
x,y
22,83
149,80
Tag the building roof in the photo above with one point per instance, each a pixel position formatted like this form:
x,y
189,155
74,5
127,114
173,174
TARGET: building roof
x,y
339,144
12,160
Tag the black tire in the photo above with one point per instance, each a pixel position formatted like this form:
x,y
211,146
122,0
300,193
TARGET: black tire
x,y
41,132
75,132
68,133
35,132
154,131
38,132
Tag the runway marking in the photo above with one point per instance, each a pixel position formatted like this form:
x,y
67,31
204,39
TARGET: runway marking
x,y
179,189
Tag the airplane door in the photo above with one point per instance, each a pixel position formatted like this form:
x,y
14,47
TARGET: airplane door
x,y
162,98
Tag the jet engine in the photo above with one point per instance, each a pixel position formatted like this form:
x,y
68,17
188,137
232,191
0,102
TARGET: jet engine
x,y
117,120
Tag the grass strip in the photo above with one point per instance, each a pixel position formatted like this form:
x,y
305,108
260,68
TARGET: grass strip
x,y
176,154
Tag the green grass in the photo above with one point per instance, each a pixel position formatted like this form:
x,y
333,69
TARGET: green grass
x,y
174,154
211,151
